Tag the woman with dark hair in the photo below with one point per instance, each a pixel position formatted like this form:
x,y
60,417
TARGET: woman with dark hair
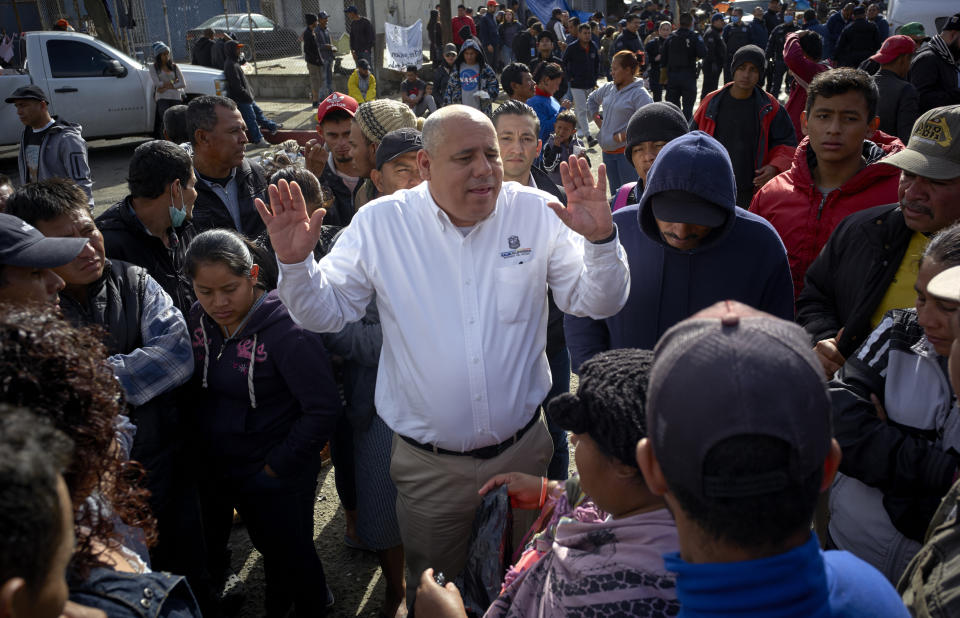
x,y
167,81
896,419
60,372
265,404
435,33
603,526
618,98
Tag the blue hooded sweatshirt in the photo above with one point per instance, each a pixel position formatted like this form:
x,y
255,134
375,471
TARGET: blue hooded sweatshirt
x,y
804,582
266,394
741,260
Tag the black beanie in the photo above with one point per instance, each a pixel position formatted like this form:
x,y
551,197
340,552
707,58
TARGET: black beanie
x,y
749,53
654,122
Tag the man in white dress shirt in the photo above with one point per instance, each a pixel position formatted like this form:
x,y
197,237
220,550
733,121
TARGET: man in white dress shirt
x,y
460,266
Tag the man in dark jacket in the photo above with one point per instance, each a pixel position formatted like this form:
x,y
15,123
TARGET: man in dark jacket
x,y
678,60
755,129
736,34
934,70
774,16
202,49
241,93
869,264
362,36
581,63
688,247
311,55
653,55
151,226
227,183
899,102
859,40
835,25
776,67
517,129
629,38
716,57
525,42
488,33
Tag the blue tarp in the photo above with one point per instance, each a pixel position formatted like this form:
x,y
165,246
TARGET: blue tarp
x,y
543,8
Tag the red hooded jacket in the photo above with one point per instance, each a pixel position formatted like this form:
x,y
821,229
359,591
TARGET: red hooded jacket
x,y
805,218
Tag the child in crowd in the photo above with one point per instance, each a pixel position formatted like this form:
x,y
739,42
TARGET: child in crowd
x,y
562,143
429,104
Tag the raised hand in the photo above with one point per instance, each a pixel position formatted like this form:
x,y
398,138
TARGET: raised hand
x,y
587,212
292,233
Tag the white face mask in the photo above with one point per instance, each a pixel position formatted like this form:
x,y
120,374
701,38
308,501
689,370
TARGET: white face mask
x,y
177,216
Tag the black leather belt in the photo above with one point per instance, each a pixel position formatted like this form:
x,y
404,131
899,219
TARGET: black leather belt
x,y
484,452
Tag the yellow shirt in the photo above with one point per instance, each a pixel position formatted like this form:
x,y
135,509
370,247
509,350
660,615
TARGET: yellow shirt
x,y
901,294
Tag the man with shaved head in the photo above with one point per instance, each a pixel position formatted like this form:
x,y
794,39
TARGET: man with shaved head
x,y
460,267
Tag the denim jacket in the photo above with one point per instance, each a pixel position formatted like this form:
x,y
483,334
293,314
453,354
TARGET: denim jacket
x,y
130,595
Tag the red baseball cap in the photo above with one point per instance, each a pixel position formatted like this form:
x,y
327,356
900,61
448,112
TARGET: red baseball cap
x,y
893,48
492,2
337,100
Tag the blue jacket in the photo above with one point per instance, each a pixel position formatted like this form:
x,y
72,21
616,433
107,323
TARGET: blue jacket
x,y
547,110
743,260
487,32
835,25
759,34
802,582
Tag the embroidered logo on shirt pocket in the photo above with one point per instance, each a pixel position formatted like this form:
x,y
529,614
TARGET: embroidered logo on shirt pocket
x,y
514,294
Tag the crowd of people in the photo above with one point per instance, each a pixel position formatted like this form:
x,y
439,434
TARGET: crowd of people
x,y
758,291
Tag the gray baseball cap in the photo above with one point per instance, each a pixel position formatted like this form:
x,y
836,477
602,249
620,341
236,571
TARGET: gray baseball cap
x,y
731,370
934,147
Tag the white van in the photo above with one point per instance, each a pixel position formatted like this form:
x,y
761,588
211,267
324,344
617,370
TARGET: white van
x,y
933,14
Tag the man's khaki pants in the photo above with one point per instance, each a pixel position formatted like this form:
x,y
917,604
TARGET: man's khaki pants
x,y
437,497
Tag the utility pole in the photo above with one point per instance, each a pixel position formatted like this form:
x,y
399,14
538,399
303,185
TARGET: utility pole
x,y
446,19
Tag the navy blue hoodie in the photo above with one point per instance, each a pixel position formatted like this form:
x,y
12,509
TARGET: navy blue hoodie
x,y
284,414
742,260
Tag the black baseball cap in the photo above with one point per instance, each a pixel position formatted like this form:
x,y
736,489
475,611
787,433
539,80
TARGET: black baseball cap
x,y
729,371
396,143
23,245
28,92
684,207
953,23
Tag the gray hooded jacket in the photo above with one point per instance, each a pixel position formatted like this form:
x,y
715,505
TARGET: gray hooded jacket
x,y
63,154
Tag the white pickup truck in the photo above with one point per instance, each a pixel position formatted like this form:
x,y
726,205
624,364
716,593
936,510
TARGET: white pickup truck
x,y
90,83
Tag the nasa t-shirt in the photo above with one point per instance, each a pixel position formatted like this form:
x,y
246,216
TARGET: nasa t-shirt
x,y
469,81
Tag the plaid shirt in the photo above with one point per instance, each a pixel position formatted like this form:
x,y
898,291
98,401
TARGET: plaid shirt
x,y
165,360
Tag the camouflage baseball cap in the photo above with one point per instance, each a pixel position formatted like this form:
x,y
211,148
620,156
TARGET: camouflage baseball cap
x,y
934,147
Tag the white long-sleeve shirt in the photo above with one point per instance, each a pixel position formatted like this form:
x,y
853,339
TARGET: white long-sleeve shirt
x,y
464,317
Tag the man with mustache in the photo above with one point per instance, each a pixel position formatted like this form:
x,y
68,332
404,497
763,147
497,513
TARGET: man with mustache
x,y
460,267
933,71
869,264
329,157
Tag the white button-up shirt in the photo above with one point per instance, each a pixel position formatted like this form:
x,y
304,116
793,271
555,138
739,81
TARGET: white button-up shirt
x,y
464,318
